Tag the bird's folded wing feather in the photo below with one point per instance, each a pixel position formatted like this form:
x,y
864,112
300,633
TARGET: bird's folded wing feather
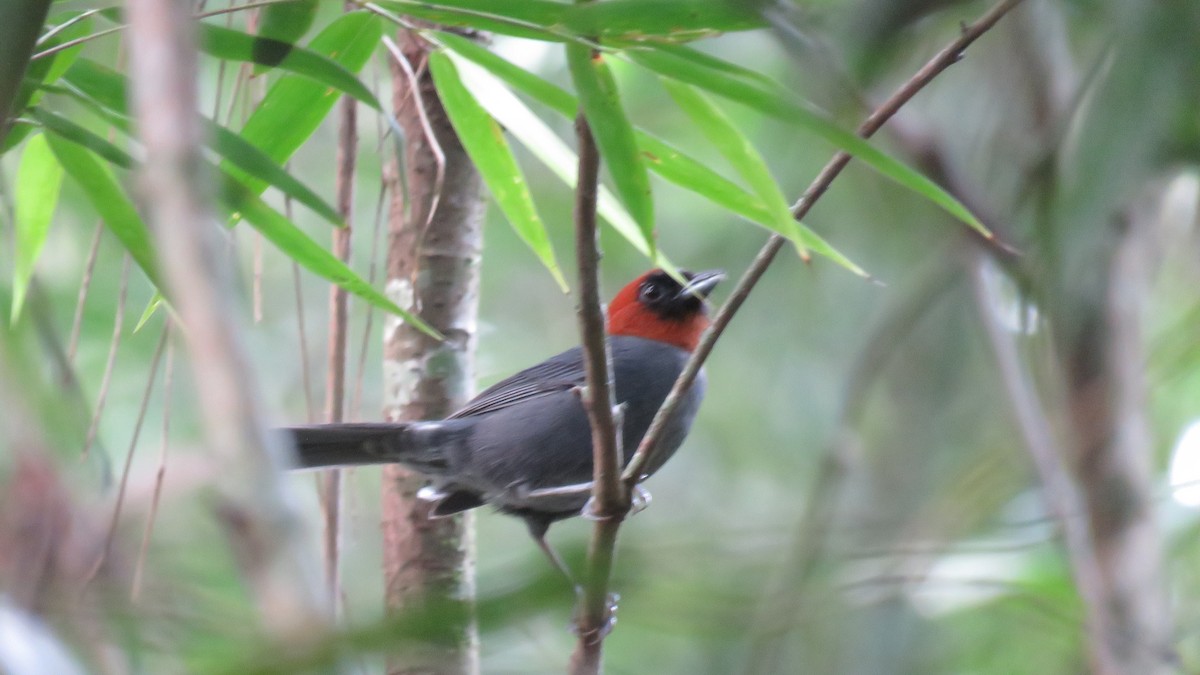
x,y
561,373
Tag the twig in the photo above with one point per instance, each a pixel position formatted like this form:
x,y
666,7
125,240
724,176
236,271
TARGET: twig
x,y
335,374
610,501
133,441
1059,491
114,345
84,285
945,58
435,147
161,474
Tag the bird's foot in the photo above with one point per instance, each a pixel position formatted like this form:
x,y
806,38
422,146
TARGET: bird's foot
x,y
608,619
639,499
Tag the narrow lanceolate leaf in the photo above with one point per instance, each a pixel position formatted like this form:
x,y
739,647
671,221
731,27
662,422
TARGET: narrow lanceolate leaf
x,y
484,142
671,19
614,135
110,201
776,104
39,177
46,71
295,106
294,243
256,163
740,152
103,90
660,157
285,22
68,129
233,45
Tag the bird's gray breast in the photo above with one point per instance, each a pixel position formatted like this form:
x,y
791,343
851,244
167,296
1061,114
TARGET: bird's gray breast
x,y
545,442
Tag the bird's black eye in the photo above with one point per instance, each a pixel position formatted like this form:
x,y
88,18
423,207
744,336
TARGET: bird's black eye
x,y
651,292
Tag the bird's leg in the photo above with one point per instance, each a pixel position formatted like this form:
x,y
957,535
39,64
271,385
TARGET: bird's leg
x,y
537,529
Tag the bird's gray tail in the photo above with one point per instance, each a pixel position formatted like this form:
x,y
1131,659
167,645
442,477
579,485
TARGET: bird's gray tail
x,y
424,446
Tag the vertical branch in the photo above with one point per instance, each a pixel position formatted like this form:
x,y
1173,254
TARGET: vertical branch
x,y
264,531
434,244
1059,490
610,501
335,378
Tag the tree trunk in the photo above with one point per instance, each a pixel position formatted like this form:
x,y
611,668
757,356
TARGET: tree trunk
x,y
433,270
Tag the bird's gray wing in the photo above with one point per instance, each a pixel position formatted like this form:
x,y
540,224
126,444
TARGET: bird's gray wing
x,y
557,374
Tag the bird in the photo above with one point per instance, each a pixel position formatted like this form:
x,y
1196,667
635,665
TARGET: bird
x,y
524,445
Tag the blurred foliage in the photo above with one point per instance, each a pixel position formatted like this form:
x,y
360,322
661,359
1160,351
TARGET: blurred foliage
x,y
855,497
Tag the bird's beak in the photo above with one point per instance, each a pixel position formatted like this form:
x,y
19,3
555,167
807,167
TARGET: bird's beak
x,y
701,284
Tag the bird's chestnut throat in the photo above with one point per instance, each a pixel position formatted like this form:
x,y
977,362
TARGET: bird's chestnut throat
x,y
637,320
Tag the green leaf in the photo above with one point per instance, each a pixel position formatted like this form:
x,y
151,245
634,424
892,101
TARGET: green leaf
x,y
668,162
774,104
39,177
622,20
20,23
110,201
66,128
293,242
546,93
614,135
104,90
258,164
670,19
46,71
484,142
151,307
285,22
295,106
686,172
740,152
233,45
534,19
518,120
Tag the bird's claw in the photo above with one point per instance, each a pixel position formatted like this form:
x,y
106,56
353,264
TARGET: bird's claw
x,y
639,499
608,621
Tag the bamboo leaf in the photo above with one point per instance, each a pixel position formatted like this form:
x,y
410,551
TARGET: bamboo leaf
x,y
110,201
741,154
46,71
39,177
779,106
485,144
614,135
225,43
669,162
295,106
104,91
69,130
285,22
293,242
617,20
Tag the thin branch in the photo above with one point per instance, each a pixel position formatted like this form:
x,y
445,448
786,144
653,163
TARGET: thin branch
x,y
114,345
298,288
84,285
435,147
133,441
610,501
948,56
335,374
161,474
1058,490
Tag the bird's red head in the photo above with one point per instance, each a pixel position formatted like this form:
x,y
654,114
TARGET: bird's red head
x,y
655,306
